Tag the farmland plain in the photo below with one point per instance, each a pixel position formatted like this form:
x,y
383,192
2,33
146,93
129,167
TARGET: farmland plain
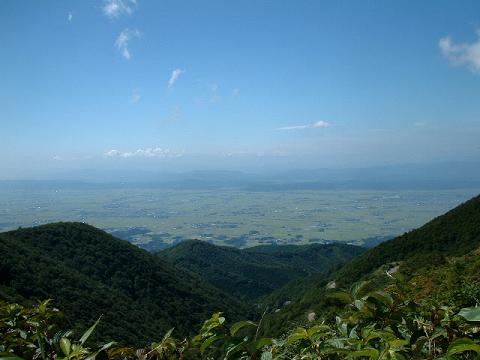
x,y
155,218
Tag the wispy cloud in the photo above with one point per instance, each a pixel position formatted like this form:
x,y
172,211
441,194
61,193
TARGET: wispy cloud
x,y
70,16
466,54
124,39
147,152
112,153
236,92
316,125
135,98
116,8
175,76
296,127
57,158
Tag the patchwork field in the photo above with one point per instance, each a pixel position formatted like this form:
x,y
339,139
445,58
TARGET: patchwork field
x,y
156,218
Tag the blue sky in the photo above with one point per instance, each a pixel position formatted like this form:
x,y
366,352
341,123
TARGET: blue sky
x,y
183,85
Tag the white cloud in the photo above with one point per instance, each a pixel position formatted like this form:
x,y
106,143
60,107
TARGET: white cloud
x,y
320,124
123,40
135,98
147,152
296,127
315,125
115,8
57,158
112,153
175,76
467,54
70,16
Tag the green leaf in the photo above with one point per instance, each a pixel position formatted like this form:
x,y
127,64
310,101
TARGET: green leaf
x,y
167,334
336,343
87,333
341,296
42,307
382,297
371,353
41,345
65,346
215,321
397,344
262,342
395,355
462,345
9,356
232,350
240,325
298,334
317,329
107,346
470,313
103,348
208,342
358,288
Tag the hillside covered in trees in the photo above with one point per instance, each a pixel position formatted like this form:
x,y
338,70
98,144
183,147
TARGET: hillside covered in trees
x,y
90,273
254,272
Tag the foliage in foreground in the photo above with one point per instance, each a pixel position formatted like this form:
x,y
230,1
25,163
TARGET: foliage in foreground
x,y
385,324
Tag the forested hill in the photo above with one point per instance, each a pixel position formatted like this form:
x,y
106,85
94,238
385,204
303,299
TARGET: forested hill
x,y
455,233
89,273
257,271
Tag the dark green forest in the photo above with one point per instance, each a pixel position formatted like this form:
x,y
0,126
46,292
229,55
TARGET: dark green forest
x,y
90,273
254,272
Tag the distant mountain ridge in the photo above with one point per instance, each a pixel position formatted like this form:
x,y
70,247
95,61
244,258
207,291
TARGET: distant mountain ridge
x,y
444,175
254,272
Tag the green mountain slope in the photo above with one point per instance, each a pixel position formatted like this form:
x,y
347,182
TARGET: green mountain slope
x,y
432,315
456,233
254,272
89,273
